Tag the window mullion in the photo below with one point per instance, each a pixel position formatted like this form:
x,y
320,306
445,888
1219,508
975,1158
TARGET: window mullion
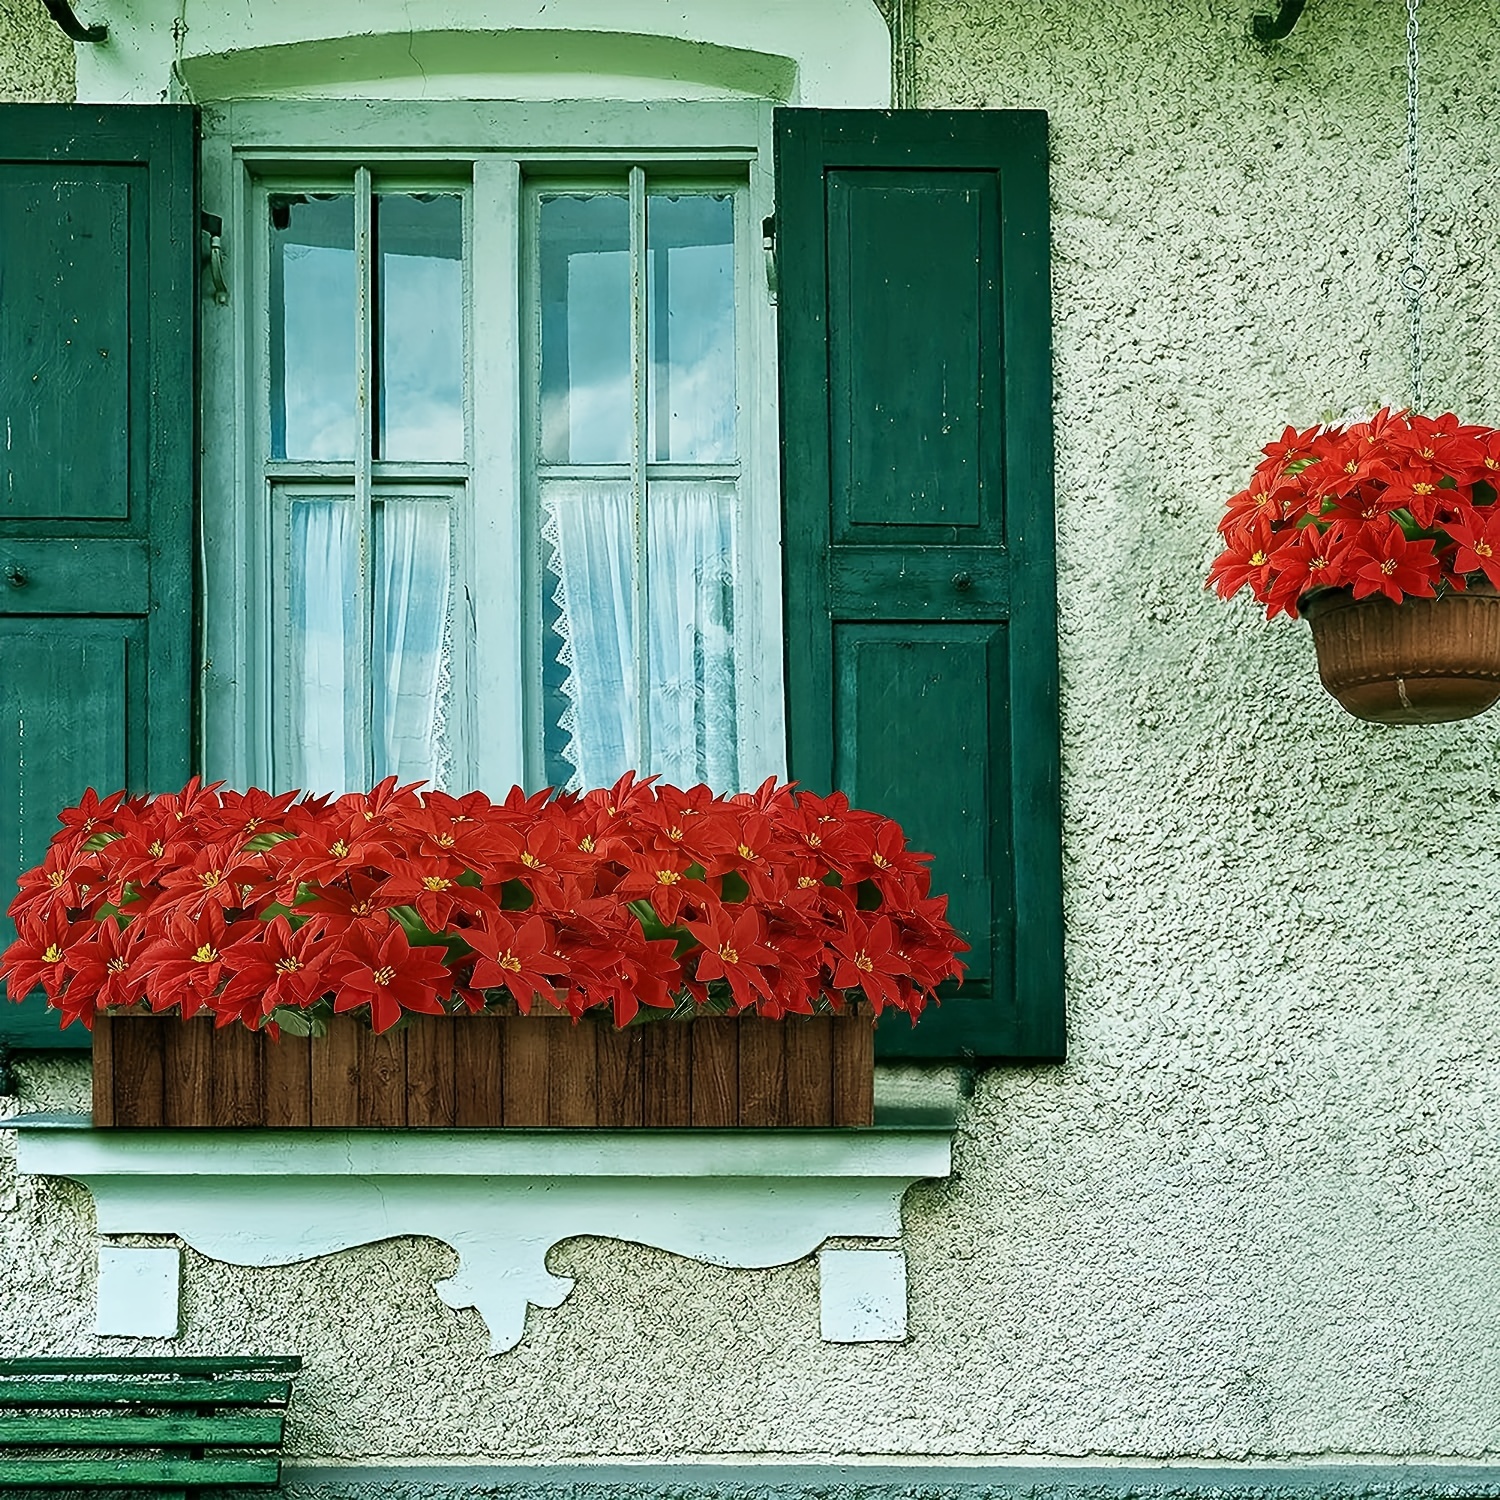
x,y
639,313
362,732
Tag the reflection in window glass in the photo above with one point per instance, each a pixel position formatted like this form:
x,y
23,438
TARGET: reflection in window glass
x,y
585,328
312,326
419,335
690,327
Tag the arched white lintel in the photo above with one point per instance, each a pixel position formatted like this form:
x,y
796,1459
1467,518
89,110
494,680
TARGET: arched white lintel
x,y
826,53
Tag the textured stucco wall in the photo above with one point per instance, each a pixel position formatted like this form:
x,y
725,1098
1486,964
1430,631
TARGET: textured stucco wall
x,y
1257,1214
36,59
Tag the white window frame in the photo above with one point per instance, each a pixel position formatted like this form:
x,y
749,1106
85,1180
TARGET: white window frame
x,y
245,142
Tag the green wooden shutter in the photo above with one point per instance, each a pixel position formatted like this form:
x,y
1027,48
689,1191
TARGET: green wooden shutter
x,y
921,637
98,255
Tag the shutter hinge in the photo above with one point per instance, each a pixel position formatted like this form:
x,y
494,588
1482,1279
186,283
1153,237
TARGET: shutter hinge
x,y
768,244
212,228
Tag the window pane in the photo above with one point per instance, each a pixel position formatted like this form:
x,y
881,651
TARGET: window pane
x,y
588,620
694,736
312,326
585,328
323,701
690,330
420,325
413,640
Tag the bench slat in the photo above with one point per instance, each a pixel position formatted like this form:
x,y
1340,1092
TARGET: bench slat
x,y
142,1364
84,1392
59,1473
141,1432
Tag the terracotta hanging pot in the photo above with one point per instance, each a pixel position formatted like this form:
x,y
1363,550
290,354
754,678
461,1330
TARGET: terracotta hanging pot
x,y
1423,661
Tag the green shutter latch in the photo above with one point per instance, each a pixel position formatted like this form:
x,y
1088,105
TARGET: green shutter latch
x,y
212,227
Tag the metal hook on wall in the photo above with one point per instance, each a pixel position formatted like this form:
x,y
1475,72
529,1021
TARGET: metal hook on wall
x,y
72,27
1274,28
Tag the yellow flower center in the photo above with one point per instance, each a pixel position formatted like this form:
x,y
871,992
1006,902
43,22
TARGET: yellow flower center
x,y
340,849
436,882
53,954
862,963
56,877
445,840
729,955
116,966
668,877
211,878
1258,559
1317,562
531,861
157,849
746,852
880,862
803,881
288,965
674,833
207,954
1483,549
1388,566
586,843
1423,489
510,962
384,976
1351,467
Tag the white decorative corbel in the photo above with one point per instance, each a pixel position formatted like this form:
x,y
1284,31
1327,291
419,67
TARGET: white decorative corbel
x,y
503,1198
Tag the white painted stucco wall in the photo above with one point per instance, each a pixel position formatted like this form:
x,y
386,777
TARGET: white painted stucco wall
x,y
1257,1214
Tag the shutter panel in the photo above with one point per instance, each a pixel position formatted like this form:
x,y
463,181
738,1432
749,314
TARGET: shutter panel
x,y
98,238
912,253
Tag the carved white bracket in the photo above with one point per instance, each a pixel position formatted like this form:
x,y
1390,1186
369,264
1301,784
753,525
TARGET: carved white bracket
x,y
500,1198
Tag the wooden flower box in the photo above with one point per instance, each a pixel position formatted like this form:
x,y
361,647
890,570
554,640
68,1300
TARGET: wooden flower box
x,y
490,1070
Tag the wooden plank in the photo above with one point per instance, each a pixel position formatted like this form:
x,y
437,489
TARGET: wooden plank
x,y
335,1073
238,1096
286,1072
260,1430
139,1042
809,1070
619,1056
666,1073
137,1473
524,1064
431,1092
762,1072
132,1364
104,1392
382,1077
104,1070
854,1070
187,1062
572,1073
715,1091
478,1074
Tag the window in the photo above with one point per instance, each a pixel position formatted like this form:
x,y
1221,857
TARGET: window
x,y
559,496
547,308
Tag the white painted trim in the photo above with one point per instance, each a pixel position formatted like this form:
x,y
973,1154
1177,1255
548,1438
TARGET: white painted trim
x,y
862,1296
501,1199
824,53
138,1291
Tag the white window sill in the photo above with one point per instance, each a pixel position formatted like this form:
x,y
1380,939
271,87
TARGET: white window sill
x,y
503,1198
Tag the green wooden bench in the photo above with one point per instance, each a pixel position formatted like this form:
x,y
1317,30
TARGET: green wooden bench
x,y
168,1426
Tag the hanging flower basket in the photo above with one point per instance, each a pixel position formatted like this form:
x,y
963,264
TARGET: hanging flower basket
x,y
1386,535
641,955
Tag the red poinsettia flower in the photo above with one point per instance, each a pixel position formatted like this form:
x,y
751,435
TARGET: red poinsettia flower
x,y
1246,560
183,966
386,973
221,875
1304,560
106,965
868,961
38,957
734,950
92,813
275,965
1389,564
66,880
517,956
1477,532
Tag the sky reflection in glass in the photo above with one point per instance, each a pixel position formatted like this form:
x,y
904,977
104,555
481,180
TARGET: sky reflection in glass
x,y
312,326
585,315
420,326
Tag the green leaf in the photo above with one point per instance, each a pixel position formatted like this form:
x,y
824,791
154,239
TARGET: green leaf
x,y
515,895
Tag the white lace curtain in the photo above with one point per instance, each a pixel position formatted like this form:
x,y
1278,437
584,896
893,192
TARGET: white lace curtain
x,y
408,679
590,548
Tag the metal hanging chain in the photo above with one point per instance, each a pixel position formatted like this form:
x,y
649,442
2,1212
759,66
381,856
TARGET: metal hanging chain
x,y
1415,277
